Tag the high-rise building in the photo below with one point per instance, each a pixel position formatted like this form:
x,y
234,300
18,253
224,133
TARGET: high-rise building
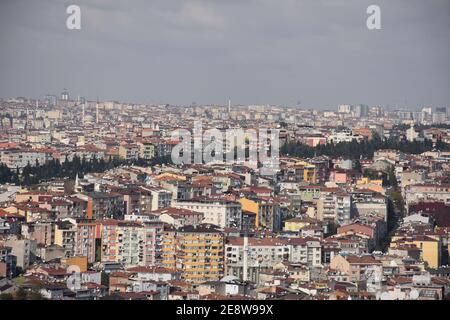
x,y
197,251
441,110
65,95
123,242
439,117
87,239
360,111
344,108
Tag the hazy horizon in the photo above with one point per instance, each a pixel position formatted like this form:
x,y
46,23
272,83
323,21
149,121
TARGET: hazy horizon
x,y
277,52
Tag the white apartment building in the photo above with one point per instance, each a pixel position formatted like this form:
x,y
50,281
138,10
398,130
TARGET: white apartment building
x,y
161,198
266,252
305,250
123,242
40,137
427,193
369,204
23,249
335,206
20,158
344,136
224,214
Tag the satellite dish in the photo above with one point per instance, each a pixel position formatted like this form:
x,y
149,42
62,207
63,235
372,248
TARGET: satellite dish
x,y
414,294
73,269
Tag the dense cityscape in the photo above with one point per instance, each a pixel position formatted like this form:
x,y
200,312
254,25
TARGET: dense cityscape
x,y
92,207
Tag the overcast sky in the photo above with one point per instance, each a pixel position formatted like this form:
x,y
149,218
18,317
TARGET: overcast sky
x,y
318,52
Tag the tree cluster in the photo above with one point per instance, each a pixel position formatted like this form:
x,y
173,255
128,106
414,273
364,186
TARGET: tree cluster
x,y
360,149
31,175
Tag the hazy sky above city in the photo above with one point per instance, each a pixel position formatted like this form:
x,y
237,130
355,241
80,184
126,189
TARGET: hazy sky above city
x,y
318,52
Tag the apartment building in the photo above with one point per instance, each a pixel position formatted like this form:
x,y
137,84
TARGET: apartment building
x,y
411,177
7,262
334,205
267,212
392,156
147,150
39,137
153,239
306,251
416,193
20,158
266,252
430,247
179,217
123,242
160,198
65,236
301,171
43,232
358,268
197,251
129,152
261,253
88,239
103,205
366,202
222,213
23,249
4,226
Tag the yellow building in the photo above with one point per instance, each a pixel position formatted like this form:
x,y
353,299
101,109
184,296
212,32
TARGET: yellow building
x,y
25,195
129,152
251,206
309,174
430,248
306,170
267,212
65,236
78,261
196,251
374,185
296,224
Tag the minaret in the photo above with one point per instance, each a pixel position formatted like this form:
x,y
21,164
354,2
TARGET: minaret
x,y
229,105
96,112
83,112
26,122
245,260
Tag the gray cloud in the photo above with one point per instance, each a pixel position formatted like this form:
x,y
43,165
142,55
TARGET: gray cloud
x,y
253,51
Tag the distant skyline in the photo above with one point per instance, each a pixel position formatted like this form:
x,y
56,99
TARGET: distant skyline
x,y
279,52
